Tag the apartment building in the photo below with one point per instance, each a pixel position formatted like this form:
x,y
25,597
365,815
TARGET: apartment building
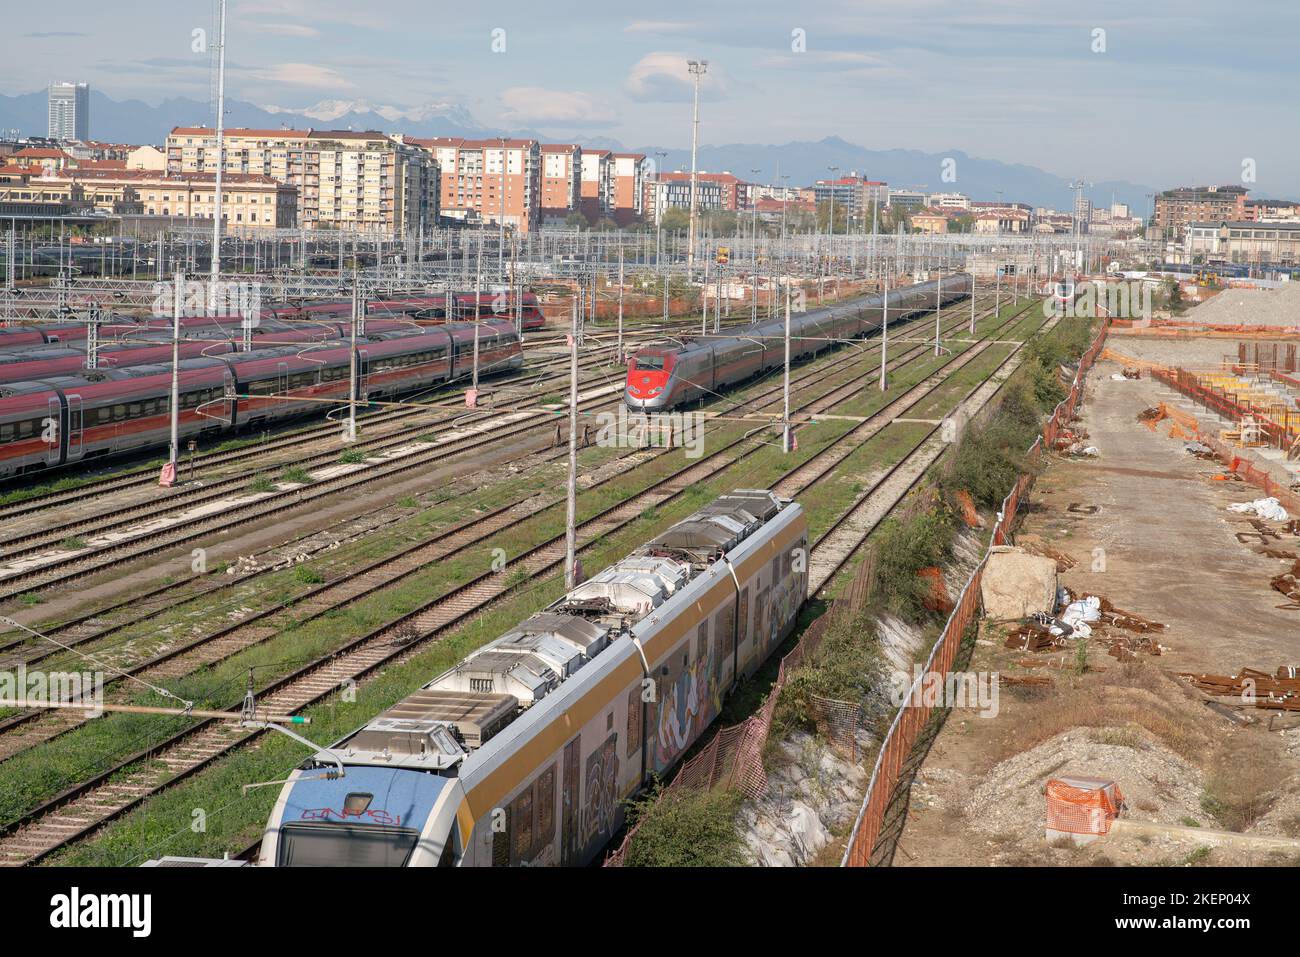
x,y
852,193
249,202
561,175
1176,208
714,191
344,179
627,173
68,109
489,180
1246,242
597,185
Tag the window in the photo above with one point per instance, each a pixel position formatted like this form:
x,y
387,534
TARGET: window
x,y
634,720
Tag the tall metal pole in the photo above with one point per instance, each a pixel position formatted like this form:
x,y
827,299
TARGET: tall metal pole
x,y
884,332
938,304
697,69
785,387
354,392
620,303
571,516
174,452
501,241
221,149
972,304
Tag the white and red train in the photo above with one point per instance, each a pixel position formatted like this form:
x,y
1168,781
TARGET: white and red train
x,y
663,376
64,419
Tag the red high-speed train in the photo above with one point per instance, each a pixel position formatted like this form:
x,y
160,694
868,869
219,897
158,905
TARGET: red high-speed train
x,y
65,419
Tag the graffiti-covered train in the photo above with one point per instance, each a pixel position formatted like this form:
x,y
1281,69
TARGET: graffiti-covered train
x,y
664,376
524,752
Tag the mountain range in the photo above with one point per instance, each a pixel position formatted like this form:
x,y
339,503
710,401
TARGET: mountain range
x,y
133,121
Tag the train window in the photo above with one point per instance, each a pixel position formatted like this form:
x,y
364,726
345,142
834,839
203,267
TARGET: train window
x,y
634,720
134,410
649,362
74,420
103,415
119,413
501,841
702,640
776,569
545,809
744,614
7,432
724,624
524,829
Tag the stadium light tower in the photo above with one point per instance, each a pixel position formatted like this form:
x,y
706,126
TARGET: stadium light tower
x,y
697,69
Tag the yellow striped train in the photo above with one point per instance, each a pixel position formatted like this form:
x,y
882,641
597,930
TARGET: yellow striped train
x,y
523,753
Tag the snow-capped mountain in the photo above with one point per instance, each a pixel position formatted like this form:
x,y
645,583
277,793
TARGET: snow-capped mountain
x,y
333,111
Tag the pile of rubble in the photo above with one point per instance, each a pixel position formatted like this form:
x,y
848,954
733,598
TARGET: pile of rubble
x,y
1123,633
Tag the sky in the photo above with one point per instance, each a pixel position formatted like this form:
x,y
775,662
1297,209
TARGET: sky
x,y
1149,92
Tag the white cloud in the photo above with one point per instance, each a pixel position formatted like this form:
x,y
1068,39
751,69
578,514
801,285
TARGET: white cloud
x,y
664,78
304,74
661,26
288,29
526,105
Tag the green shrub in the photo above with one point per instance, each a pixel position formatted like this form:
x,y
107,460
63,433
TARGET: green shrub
x,y
901,550
686,829
261,483
307,575
847,666
352,456
296,474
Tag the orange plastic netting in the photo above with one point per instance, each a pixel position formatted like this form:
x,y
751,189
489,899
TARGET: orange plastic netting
x,y
1076,810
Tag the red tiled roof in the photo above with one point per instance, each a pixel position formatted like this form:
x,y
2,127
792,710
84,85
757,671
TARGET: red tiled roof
x,y
41,152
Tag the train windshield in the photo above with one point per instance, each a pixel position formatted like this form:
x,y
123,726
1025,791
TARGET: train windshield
x,y
650,362
345,845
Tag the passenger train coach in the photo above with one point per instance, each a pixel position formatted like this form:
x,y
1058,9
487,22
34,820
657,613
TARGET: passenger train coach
x,y
523,752
664,376
64,419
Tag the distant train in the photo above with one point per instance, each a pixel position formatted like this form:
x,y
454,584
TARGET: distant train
x,y
664,376
524,752
144,345
59,420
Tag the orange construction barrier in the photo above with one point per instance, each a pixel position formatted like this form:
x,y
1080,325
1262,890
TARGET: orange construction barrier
x,y
1082,805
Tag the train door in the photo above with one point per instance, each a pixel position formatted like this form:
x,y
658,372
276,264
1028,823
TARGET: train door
x,y
282,380
571,798
363,371
75,428
53,433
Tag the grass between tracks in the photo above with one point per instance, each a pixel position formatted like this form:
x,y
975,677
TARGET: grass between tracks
x,y
849,664
229,817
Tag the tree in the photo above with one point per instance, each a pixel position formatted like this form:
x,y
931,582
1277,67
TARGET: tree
x,y
576,219
675,217
824,215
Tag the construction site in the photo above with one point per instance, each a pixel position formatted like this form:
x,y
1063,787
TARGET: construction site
x,y
1140,621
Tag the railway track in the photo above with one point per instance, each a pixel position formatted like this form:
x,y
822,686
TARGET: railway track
x,y
606,344
90,804
126,535
82,630
148,476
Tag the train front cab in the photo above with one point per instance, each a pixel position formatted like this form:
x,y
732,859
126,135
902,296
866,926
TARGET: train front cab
x,y
370,817
649,378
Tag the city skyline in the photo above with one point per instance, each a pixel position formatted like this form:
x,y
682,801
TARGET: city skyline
x,y
1019,82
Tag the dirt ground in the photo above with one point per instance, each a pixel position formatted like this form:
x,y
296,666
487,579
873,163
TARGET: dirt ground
x,y
1146,526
